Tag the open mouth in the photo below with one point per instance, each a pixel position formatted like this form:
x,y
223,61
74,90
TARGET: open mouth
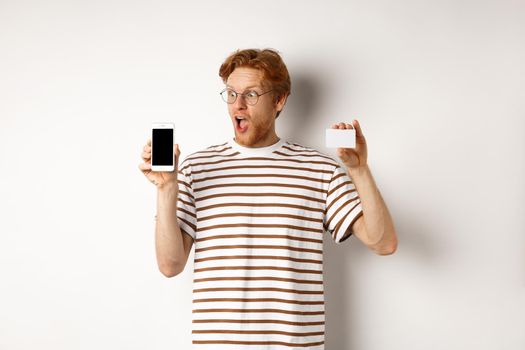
x,y
242,123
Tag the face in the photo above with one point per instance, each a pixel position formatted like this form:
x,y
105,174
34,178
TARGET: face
x,y
259,126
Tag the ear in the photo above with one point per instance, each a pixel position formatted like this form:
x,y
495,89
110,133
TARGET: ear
x,y
281,101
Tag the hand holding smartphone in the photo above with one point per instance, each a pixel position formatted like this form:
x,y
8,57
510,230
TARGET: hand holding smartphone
x,y
160,156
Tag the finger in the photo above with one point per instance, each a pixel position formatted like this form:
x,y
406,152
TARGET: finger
x,y
147,148
145,166
146,156
358,131
176,154
153,180
149,142
341,125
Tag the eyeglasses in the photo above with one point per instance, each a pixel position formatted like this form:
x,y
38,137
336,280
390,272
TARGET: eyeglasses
x,y
251,97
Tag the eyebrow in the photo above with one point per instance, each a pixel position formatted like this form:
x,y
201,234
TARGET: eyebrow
x,y
248,87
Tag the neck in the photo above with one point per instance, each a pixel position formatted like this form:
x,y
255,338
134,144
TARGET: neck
x,y
269,140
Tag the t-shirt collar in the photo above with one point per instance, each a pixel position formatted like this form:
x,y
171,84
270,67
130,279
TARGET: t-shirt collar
x,y
255,151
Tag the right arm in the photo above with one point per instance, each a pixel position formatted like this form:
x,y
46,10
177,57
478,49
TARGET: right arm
x,y
172,245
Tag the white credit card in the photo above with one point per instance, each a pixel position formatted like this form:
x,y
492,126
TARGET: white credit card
x,y
344,138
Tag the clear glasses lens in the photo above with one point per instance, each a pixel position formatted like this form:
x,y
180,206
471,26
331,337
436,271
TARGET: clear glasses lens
x,y
229,96
251,97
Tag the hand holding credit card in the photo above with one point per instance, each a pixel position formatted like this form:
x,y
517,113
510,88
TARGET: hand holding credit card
x,y
350,143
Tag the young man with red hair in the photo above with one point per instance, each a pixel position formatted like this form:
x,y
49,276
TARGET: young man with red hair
x,y
257,207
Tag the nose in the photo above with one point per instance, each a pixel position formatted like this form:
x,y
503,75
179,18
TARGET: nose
x,y
240,103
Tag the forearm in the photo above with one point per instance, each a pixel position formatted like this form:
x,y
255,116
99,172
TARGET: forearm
x,y
378,222
168,236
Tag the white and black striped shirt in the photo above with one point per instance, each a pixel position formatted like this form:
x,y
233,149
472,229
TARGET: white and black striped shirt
x,y
258,217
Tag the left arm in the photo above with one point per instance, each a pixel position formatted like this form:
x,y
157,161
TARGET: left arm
x,y
375,227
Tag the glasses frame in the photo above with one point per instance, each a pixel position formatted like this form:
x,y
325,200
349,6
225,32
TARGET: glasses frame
x,y
243,95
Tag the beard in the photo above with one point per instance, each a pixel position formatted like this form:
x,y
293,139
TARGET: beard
x,y
255,134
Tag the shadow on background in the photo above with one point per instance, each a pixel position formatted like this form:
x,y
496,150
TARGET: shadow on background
x,y
338,297
413,237
302,112
302,108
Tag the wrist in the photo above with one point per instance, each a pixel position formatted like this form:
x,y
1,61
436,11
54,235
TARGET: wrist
x,y
169,187
359,171
167,199
167,194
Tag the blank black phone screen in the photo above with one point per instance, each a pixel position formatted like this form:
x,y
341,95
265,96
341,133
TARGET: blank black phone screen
x,y
162,147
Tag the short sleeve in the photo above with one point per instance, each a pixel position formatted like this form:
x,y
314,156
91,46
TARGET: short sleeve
x,y
343,206
186,202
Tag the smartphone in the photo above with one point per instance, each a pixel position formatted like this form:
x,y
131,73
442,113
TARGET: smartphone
x,y
162,140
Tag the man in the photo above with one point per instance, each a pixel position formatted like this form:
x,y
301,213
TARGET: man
x,y
257,207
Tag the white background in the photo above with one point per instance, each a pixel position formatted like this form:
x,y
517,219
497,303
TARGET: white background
x,y
438,87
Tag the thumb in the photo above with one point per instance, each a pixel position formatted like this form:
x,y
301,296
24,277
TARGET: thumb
x,y
176,154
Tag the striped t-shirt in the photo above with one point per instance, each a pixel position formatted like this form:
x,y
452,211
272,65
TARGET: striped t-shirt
x,y
257,217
